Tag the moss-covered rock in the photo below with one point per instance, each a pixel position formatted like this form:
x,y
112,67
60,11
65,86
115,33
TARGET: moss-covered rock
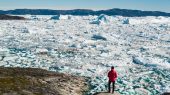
x,y
33,81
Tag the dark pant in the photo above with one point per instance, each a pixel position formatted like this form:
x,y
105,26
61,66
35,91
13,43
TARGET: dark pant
x,y
113,88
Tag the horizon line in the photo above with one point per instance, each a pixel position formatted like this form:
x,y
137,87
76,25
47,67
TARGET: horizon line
x,y
80,9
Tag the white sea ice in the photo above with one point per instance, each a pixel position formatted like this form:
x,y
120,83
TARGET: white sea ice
x,y
138,47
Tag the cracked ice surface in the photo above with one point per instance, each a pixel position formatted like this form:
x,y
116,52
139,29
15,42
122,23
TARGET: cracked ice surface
x,y
139,49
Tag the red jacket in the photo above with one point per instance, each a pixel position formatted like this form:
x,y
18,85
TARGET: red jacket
x,y
112,75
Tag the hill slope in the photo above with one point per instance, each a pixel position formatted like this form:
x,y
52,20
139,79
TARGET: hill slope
x,y
8,17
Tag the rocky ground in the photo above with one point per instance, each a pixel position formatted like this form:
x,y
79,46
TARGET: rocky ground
x,y
32,81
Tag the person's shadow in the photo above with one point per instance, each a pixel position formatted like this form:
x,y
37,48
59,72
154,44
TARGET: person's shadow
x,y
167,93
103,93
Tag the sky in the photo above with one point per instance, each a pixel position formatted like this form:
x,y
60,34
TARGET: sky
x,y
147,5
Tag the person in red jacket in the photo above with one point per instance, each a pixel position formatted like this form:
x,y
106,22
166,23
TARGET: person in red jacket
x,y
112,75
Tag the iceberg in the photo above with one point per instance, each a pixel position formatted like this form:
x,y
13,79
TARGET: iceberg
x,y
100,19
57,17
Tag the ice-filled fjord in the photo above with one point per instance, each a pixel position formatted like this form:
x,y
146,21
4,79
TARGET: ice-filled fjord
x,y
138,47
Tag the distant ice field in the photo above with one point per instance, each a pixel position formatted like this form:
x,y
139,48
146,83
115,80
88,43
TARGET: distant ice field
x,y
138,47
